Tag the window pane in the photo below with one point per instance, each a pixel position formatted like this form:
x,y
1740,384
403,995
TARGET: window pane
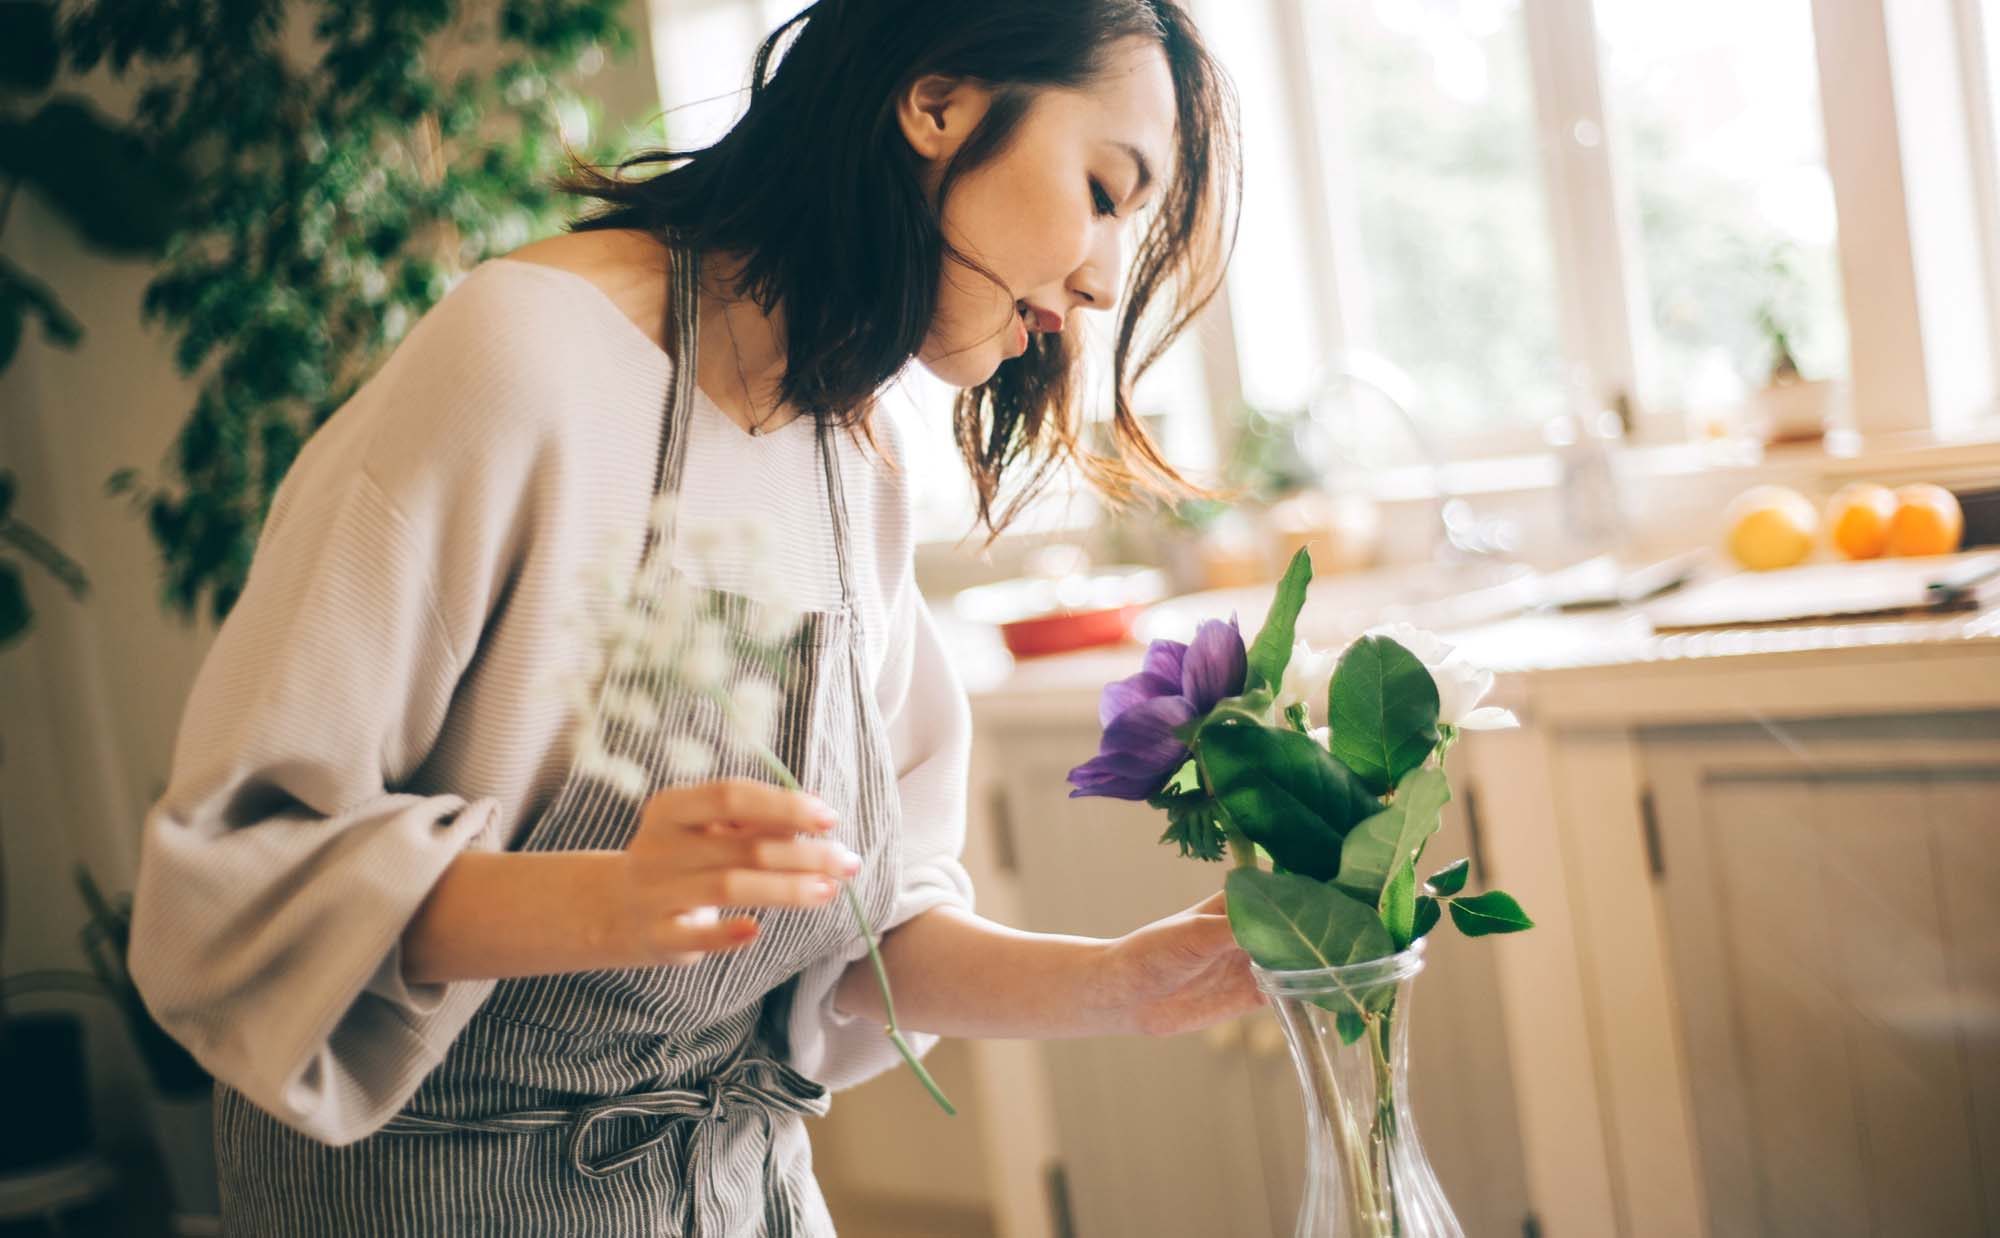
x,y
1715,106
1431,106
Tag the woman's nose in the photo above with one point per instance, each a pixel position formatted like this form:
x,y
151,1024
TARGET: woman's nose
x,y
1095,283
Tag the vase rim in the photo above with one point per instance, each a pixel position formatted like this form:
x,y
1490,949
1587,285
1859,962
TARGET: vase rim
x,y
1388,969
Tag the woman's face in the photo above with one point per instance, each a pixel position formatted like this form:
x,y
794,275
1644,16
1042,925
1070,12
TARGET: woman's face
x,y
1050,214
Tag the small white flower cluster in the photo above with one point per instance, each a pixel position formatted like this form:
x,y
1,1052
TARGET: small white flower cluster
x,y
662,635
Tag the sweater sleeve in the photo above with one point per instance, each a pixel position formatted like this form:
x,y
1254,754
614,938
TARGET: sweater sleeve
x,y
282,863
929,724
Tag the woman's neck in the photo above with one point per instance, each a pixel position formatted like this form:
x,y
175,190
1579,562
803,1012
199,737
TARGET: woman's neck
x,y
742,355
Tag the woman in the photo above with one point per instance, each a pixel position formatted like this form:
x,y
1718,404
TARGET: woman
x,y
446,979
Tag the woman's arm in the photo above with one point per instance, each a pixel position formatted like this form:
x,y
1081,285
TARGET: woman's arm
x,y
954,973
515,913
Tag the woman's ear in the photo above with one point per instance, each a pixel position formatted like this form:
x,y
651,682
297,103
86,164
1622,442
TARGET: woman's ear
x,y
938,112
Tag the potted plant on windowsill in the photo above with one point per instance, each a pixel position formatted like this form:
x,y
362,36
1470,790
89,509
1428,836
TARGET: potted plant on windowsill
x,y
1789,407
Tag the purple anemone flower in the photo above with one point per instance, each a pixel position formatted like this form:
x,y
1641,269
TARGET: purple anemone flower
x,y
1175,685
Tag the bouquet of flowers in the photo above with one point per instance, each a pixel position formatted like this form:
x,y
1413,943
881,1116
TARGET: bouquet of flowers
x,y
1222,737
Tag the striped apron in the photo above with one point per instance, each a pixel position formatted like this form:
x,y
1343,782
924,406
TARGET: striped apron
x,y
628,1101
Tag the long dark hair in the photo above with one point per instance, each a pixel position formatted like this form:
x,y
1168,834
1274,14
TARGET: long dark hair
x,y
816,186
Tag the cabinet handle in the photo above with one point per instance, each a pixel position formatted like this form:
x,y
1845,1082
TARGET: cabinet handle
x,y
1005,858
1649,822
1061,1219
1475,837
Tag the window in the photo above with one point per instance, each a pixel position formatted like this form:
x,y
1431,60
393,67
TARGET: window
x,y
1715,110
1531,205
1433,111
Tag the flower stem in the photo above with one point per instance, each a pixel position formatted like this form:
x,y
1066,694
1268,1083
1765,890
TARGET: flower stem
x,y
895,1034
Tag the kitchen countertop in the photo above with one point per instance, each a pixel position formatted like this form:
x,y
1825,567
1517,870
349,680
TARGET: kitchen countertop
x,y
1530,654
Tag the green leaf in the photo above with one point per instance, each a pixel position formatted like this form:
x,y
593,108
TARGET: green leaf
x,y
1249,708
1495,911
1272,649
1349,1025
1399,906
1283,791
1186,780
1427,917
1383,707
1448,880
1377,848
1288,922
1195,824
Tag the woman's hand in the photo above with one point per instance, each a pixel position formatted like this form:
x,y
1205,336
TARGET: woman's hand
x,y
1180,974
730,842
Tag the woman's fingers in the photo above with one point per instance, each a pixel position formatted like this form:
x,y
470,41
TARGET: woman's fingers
x,y
802,855
743,803
747,887
685,937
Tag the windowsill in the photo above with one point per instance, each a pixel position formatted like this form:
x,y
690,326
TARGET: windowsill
x,y
947,564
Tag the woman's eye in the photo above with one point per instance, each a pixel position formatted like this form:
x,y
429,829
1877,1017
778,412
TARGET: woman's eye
x,y
1102,200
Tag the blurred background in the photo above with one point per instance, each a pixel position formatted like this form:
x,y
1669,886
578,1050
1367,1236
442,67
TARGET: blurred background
x,y
1646,352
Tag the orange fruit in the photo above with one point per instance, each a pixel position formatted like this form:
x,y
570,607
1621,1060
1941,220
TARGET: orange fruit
x,y
1771,527
1857,519
1927,521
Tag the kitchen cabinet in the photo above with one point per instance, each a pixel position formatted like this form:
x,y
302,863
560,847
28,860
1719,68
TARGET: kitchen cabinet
x,y
1763,994
1832,913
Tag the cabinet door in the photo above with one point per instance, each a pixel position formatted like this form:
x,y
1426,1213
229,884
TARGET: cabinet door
x,y
1829,890
1157,1135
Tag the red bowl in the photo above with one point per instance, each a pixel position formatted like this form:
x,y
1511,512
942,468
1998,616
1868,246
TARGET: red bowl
x,y
1067,630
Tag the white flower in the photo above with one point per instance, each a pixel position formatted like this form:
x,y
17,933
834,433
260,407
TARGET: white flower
x,y
631,705
705,662
771,621
1306,677
754,709
689,759
707,540
1460,685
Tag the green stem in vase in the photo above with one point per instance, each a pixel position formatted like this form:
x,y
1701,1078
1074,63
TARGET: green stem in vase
x,y
895,1033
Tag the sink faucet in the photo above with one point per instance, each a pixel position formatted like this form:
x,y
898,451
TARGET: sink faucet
x,y
1459,533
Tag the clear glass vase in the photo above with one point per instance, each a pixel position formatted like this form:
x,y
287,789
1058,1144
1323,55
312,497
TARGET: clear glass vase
x,y
1348,1031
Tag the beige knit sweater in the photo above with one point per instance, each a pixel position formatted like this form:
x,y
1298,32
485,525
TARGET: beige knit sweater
x,y
383,694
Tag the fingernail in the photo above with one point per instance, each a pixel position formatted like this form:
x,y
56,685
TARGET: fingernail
x,y
848,861
821,809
